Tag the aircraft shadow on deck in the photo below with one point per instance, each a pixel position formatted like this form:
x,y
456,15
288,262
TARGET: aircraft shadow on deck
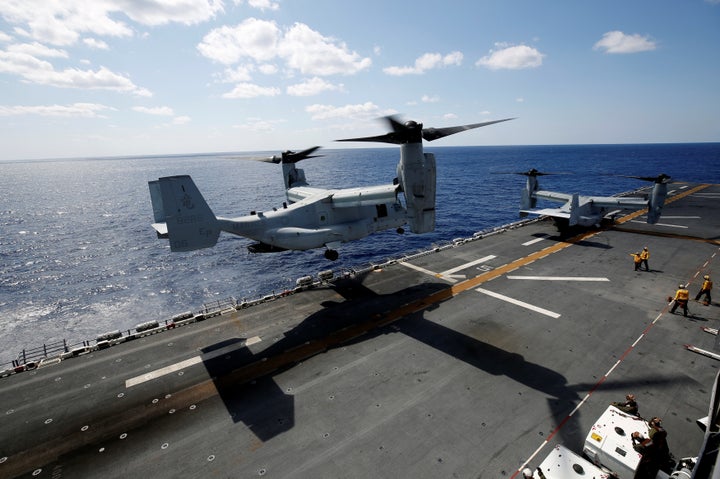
x,y
268,411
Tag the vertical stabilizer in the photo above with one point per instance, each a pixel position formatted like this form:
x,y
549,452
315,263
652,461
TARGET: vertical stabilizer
x,y
191,223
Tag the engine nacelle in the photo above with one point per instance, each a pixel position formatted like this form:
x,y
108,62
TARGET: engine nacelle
x,y
417,177
657,200
528,200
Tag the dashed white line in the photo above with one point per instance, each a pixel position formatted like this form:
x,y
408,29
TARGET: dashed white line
x,y
536,240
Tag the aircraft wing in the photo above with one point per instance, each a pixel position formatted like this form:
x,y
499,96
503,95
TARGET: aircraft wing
x,y
553,196
365,196
346,198
554,212
300,193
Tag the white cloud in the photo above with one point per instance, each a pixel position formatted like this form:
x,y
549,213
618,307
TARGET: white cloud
x,y
85,110
301,48
450,116
511,58
95,44
311,87
259,125
5,38
427,62
41,72
254,39
181,120
264,4
35,49
250,90
62,23
363,111
159,110
430,99
619,42
313,54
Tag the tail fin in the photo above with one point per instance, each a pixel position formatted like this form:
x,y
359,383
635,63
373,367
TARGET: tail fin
x,y
190,223
657,200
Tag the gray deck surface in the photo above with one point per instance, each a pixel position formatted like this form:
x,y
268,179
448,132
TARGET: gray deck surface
x,y
403,372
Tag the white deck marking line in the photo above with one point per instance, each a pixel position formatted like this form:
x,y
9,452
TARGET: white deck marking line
x,y
448,274
660,224
665,217
162,371
519,303
558,278
467,265
536,240
418,268
186,363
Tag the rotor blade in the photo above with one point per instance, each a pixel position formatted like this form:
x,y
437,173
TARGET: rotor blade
x,y
431,134
387,138
293,157
532,172
661,178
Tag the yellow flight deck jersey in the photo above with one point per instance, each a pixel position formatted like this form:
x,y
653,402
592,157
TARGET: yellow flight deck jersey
x,y
644,254
707,285
682,294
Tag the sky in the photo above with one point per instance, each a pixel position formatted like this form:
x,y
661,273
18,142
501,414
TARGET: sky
x,y
97,78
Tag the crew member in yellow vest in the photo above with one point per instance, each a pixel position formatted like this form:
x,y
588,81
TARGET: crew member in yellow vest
x,y
705,289
636,260
681,299
644,256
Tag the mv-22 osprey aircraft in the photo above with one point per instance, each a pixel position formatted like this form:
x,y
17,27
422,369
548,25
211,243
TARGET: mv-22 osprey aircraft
x,y
312,217
589,211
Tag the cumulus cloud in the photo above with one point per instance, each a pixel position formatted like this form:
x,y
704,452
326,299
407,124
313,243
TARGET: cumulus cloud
x,y
260,45
426,62
252,39
312,87
619,42
301,48
516,57
85,110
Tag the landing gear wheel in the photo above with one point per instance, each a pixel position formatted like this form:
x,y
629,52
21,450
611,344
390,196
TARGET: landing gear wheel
x,y
331,254
400,231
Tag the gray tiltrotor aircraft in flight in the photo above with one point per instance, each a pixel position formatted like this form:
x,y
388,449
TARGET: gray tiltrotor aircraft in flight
x,y
312,217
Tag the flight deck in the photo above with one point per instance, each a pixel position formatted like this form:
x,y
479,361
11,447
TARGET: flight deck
x,y
469,361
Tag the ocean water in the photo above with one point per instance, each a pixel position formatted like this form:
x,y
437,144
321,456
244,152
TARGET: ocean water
x,y
78,256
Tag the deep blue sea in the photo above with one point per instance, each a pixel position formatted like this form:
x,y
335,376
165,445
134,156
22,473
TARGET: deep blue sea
x,y
78,256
